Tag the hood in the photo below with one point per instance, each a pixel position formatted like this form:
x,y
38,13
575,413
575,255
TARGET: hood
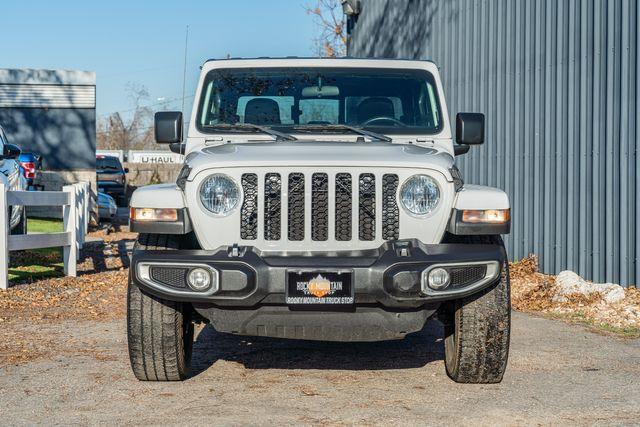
x,y
325,154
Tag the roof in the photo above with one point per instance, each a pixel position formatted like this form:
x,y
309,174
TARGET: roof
x,y
316,57
48,77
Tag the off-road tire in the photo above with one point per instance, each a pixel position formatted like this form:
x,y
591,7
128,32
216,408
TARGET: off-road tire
x,y
159,332
477,328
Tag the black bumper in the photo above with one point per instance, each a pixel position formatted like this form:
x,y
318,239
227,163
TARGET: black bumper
x,y
388,276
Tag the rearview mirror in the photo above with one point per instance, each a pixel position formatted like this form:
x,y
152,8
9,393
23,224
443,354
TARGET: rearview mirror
x,y
470,128
168,127
320,92
11,151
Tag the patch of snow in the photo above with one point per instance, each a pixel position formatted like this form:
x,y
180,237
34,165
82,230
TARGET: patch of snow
x,y
568,282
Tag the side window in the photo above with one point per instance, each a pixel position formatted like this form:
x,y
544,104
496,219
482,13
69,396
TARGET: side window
x,y
319,111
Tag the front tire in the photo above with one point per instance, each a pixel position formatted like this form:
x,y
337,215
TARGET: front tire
x,y
159,332
477,328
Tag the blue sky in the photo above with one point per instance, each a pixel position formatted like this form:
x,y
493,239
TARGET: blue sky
x,y
142,42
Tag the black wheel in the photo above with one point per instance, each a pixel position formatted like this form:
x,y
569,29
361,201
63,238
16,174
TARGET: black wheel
x,y
477,328
21,228
159,332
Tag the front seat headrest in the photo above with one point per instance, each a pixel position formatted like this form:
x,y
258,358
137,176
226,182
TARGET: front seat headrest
x,y
262,111
375,107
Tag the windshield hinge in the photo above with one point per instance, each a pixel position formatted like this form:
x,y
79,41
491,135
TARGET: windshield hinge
x,y
213,140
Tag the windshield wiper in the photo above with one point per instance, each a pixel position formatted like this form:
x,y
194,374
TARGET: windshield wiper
x,y
279,136
354,129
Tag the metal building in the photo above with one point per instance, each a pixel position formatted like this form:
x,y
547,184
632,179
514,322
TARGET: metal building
x,y
51,112
559,83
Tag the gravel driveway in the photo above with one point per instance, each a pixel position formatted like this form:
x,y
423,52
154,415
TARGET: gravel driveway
x,y
558,373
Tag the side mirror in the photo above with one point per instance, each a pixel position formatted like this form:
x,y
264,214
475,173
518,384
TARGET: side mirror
x,y
168,127
177,148
470,128
11,151
126,170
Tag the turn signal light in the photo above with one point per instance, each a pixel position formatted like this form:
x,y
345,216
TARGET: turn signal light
x,y
152,214
489,216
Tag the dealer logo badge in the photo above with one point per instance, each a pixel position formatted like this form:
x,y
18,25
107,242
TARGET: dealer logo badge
x,y
319,286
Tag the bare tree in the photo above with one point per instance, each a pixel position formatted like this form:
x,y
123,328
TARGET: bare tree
x,y
116,132
332,38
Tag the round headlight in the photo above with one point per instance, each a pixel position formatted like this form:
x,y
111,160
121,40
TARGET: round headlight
x,y
219,194
420,194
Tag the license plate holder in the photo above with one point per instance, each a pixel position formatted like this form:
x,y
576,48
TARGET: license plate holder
x,y
319,288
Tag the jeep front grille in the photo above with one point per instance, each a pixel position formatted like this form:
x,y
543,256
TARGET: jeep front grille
x,y
312,210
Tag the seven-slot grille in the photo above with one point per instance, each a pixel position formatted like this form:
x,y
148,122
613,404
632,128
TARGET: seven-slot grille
x,y
299,208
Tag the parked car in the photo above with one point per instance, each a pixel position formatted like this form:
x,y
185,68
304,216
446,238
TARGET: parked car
x,y
107,207
112,178
12,176
31,164
320,200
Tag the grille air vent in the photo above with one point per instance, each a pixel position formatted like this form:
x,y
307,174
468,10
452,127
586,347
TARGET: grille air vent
x,y
296,206
343,207
390,211
319,206
249,210
272,206
367,207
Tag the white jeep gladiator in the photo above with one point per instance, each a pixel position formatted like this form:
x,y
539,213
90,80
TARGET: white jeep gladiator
x,y
319,200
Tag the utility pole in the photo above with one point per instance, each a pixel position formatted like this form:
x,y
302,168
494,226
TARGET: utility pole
x,y
184,71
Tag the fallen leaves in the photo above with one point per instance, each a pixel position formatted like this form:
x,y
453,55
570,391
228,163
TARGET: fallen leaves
x,y
532,291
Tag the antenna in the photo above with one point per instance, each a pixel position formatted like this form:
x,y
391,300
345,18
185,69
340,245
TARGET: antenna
x,y
184,71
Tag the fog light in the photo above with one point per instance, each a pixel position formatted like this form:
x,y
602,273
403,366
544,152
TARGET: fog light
x,y
438,279
199,279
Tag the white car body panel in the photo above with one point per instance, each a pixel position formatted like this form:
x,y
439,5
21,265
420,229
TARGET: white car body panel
x,y
479,197
158,196
321,154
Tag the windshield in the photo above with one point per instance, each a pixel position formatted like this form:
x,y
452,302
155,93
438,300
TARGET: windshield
x,y
291,99
108,163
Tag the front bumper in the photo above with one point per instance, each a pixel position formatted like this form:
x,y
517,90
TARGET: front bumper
x,y
389,276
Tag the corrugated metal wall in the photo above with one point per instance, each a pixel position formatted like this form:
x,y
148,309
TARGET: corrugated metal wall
x,y
559,82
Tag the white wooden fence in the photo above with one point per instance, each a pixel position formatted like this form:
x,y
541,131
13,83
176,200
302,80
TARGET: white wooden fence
x,y
74,200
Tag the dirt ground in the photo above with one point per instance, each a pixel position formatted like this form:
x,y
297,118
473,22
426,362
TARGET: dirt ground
x,y
558,373
63,360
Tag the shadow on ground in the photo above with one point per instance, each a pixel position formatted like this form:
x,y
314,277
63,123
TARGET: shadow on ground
x,y
415,351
